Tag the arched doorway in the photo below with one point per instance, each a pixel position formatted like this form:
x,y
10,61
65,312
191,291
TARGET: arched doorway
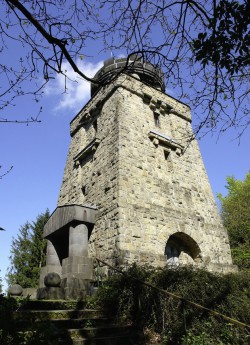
x,y
181,249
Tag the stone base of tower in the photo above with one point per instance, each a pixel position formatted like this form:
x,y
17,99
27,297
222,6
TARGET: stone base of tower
x,y
221,268
127,257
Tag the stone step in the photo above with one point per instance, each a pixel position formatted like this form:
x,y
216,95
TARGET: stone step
x,y
74,326
118,340
43,315
53,305
66,323
106,335
82,323
104,331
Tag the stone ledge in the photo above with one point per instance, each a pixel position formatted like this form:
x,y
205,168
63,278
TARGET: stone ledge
x,y
92,146
53,293
167,103
162,139
64,215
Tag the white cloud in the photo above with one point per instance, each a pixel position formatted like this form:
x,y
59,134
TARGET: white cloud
x,y
77,89
121,56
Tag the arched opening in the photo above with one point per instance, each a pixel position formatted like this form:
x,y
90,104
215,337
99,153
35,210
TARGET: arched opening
x,y
181,249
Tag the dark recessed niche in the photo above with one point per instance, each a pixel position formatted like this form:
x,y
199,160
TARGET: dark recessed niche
x,y
157,119
84,190
166,154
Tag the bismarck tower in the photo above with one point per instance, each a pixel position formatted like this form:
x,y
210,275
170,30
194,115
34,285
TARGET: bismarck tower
x,y
134,188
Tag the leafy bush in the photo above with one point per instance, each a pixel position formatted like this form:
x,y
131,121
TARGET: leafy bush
x,y
175,319
38,334
8,333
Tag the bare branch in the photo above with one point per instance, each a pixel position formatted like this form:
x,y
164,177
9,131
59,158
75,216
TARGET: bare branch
x,y
202,47
4,174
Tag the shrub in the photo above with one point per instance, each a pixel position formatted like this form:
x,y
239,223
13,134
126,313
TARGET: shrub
x,y
43,333
176,320
8,333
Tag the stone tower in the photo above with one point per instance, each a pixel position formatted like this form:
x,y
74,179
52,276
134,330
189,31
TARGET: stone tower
x,y
135,188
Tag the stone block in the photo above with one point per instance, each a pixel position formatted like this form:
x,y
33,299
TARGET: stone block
x,y
50,293
30,292
76,288
66,214
77,260
81,267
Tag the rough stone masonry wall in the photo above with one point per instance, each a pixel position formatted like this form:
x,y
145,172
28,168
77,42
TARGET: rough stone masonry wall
x,y
102,182
157,196
142,197
94,179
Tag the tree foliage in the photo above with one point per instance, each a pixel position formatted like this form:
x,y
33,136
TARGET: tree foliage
x,y
28,252
235,210
202,47
227,42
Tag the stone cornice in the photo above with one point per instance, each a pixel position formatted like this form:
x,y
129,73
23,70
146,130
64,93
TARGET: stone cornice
x,y
156,99
64,215
91,147
163,140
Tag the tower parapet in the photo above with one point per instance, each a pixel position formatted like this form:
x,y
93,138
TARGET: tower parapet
x,y
132,65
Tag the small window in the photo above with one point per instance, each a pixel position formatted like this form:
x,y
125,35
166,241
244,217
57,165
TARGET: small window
x,y
95,125
166,154
157,119
84,190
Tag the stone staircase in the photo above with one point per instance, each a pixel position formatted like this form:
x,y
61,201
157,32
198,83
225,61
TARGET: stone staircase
x,y
68,322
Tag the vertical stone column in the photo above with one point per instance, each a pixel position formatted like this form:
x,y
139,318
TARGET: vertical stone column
x,y
52,263
78,240
77,269
52,257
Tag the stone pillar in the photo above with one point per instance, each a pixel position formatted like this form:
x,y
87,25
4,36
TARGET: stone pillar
x,y
52,263
52,257
77,269
78,240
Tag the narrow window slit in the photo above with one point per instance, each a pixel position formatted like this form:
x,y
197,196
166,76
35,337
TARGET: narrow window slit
x,y
166,154
157,119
